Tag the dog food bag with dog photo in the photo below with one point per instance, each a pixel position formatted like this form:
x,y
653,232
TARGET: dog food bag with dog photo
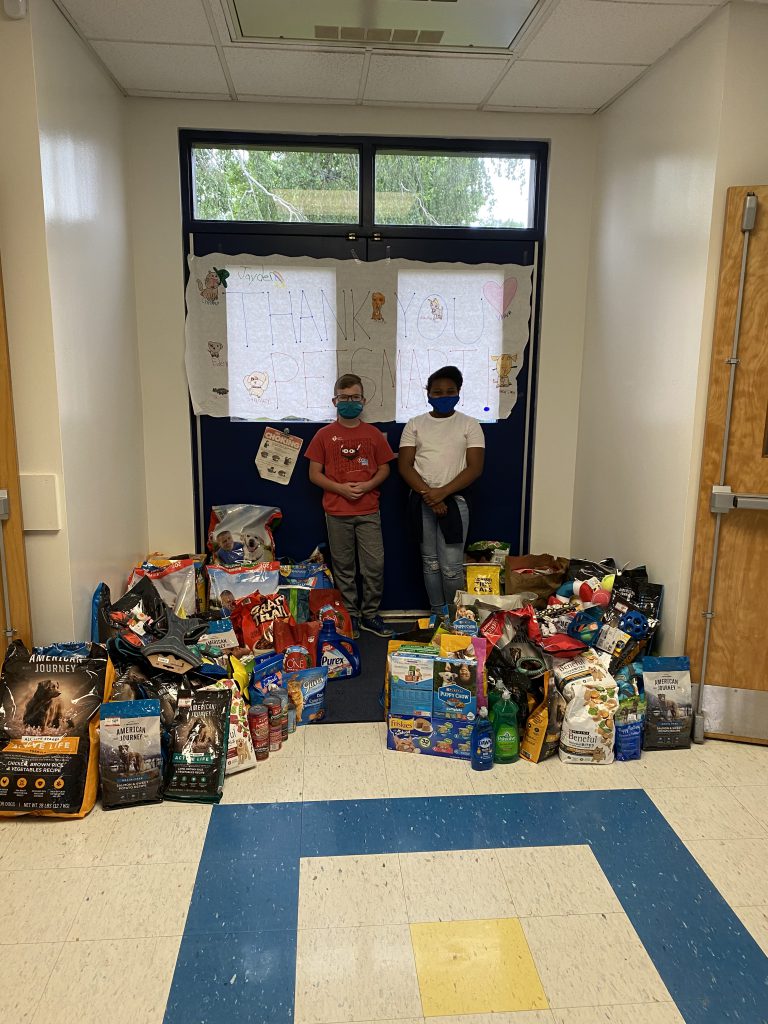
x,y
49,732
240,755
200,745
228,583
669,714
130,753
242,534
254,618
588,728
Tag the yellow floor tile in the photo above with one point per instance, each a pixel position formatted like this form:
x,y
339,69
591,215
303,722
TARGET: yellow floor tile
x,y
475,967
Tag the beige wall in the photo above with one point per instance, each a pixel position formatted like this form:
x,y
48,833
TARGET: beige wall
x,y
158,268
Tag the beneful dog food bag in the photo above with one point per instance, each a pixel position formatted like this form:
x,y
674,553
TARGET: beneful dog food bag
x,y
588,729
49,732
201,737
130,754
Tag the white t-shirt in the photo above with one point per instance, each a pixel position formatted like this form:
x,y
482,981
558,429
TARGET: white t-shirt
x,y
441,445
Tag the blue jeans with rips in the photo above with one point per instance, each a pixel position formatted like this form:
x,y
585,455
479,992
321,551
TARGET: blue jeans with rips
x,y
443,564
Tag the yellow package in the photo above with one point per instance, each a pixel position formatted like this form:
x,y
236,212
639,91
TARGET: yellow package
x,y
483,578
544,725
454,646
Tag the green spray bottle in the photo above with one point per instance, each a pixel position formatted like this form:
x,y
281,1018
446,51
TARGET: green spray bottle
x,y
506,735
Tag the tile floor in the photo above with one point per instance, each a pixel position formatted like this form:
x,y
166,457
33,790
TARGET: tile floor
x,y
340,882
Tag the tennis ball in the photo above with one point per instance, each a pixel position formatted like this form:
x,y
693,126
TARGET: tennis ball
x,y
601,597
607,583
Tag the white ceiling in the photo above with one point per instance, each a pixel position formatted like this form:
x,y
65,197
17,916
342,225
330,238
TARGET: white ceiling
x,y
573,56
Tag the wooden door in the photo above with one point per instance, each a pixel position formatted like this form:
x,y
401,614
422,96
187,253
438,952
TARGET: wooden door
x,y
17,598
736,692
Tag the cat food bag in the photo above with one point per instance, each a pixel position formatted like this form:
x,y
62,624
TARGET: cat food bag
x,y
200,745
228,583
328,604
49,731
588,728
242,534
544,724
240,755
297,642
484,578
130,753
667,683
254,617
307,691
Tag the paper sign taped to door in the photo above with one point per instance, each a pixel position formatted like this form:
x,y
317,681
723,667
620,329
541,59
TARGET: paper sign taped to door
x,y
277,455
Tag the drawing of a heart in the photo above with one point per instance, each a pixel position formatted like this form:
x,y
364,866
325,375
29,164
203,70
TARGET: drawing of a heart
x,y
500,297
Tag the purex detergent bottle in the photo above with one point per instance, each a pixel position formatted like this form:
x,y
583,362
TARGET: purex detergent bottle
x,y
337,653
482,742
505,732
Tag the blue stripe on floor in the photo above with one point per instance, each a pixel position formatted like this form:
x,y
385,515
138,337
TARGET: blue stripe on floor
x,y
237,961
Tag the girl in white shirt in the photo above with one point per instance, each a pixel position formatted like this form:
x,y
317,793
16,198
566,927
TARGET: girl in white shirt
x,y
441,453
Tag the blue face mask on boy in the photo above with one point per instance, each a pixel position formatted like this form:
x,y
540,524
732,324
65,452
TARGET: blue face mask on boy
x,y
349,410
444,403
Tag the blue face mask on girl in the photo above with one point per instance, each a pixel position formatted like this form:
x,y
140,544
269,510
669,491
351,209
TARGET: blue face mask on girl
x,y
444,403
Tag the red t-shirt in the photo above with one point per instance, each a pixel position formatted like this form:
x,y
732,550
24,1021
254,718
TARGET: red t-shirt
x,y
349,455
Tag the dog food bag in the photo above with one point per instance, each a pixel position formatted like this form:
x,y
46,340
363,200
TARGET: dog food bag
x,y
543,727
49,732
130,753
588,728
254,617
667,683
200,745
484,578
307,691
328,604
228,583
242,534
240,755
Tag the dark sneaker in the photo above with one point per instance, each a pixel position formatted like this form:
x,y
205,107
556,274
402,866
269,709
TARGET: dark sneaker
x,y
355,627
378,626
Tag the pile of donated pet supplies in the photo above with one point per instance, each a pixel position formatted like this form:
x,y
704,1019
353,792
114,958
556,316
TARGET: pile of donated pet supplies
x,y
560,663
203,668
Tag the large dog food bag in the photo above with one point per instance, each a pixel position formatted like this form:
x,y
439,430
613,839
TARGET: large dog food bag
x,y
201,739
667,684
49,732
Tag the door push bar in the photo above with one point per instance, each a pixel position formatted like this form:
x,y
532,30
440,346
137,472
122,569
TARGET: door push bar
x,y
722,499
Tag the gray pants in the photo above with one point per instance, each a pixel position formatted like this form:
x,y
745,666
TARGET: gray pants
x,y
361,535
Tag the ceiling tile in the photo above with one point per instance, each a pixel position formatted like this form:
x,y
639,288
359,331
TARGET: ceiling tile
x,y
159,67
601,31
428,79
171,21
220,20
562,86
279,71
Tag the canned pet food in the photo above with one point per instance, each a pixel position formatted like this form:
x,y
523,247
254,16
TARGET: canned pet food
x,y
275,737
274,705
258,724
291,717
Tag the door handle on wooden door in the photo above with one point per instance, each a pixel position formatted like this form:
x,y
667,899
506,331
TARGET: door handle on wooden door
x,y
723,499
4,514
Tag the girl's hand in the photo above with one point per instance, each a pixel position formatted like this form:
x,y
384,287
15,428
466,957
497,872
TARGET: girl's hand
x,y
434,496
440,510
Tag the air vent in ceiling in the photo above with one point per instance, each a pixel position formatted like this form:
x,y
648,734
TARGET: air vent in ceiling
x,y
428,37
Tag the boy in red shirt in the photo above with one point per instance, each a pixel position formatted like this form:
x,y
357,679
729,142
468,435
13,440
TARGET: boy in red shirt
x,y
349,460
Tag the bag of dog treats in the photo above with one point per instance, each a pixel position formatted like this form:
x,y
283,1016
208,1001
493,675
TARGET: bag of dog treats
x,y
200,745
265,674
228,583
297,642
49,732
240,755
328,604
130,753
307,691
254,617
483,578
667,683
242,534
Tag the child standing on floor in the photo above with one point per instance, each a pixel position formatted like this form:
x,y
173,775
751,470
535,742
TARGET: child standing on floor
x,y
350,459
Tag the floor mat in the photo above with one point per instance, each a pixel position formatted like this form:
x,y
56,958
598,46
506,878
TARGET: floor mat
x,y
357,700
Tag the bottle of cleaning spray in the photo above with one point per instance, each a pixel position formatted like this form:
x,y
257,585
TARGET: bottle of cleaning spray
x,y
505,731
482,742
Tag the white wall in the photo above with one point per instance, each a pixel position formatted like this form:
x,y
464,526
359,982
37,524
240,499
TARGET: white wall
x,y
646,345
158,269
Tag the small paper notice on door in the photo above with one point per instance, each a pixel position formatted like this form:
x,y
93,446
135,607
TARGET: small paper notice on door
x,y
277,455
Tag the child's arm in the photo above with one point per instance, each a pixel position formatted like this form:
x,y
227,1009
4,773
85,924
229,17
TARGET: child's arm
x,y
405,460
363,486
475,460
318,477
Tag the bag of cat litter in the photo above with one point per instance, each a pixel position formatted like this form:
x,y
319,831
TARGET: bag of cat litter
x,y
240,754
254,617
228,583
175,581
588,728
242,534
307,691
130,753
483,578
667,683
49,732
200,745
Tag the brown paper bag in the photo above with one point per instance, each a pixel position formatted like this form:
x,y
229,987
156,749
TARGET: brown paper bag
x,y
542,575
